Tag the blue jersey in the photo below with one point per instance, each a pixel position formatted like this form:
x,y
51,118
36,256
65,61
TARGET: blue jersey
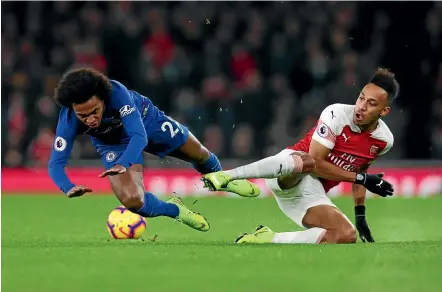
x,y
130,124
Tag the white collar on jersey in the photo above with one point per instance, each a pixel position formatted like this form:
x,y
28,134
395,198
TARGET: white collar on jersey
x,y
353,126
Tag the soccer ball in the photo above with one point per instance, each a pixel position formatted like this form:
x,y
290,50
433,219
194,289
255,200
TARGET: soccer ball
x,y
123,224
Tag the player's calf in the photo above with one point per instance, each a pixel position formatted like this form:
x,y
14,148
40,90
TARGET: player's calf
x,y
285,163
128,187
338,228
154,207
194,152
128,190
147,205
206,162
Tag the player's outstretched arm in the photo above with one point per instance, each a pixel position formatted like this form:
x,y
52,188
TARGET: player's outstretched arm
x,y
61,150
57,163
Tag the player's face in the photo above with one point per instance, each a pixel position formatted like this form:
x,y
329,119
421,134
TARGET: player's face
x,y
90,112
371,105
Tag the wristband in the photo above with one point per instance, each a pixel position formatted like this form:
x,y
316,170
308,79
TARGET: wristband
x,y
360,178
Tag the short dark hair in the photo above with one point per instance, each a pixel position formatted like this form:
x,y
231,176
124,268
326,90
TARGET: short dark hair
x,y
79,85
385,79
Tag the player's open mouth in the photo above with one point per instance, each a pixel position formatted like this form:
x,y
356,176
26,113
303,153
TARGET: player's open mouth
x,y
358,117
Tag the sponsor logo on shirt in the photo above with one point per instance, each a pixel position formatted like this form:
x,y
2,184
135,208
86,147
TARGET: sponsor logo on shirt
x,y
126,110
344,161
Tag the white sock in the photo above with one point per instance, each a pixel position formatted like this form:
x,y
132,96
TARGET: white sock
x,y
312,235
270,167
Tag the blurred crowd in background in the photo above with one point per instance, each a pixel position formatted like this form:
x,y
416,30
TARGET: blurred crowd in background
x,y
247,78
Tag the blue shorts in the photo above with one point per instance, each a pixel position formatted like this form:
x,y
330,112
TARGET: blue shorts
x,y
164,136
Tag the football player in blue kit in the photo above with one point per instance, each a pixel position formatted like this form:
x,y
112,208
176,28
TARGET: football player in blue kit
x,y
122,124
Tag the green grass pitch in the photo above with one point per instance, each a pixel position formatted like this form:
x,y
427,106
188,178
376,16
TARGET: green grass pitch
x,y
51,243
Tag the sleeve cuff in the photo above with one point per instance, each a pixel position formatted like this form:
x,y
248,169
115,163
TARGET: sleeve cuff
x,y
66,189
125,164
324,142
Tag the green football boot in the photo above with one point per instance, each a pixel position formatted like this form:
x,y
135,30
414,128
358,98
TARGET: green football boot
x,y
220,181
188,217
263,234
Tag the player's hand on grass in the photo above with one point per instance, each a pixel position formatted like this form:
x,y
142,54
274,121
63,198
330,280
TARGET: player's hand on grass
x,y
117,169
362,225
375,184
78,191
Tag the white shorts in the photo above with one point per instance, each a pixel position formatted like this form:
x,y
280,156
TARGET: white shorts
x,y
295,202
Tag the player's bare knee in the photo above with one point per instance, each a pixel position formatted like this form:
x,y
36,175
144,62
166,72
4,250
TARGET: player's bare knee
x,y
131,196
347,235
129,187
132,201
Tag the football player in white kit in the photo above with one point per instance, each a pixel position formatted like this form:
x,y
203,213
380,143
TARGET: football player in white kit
x,y
340,148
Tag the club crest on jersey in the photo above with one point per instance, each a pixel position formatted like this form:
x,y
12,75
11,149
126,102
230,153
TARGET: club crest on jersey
x,y
60,144
110,156
322,130
126,110
374,150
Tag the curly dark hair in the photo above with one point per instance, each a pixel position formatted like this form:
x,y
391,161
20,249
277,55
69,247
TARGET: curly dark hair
x,y
386,80
79,85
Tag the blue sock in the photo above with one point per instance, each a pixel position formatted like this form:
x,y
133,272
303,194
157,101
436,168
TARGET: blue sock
x,y
154,207
211,165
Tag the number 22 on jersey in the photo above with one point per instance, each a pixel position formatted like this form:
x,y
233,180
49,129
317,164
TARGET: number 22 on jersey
x,y
169,126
